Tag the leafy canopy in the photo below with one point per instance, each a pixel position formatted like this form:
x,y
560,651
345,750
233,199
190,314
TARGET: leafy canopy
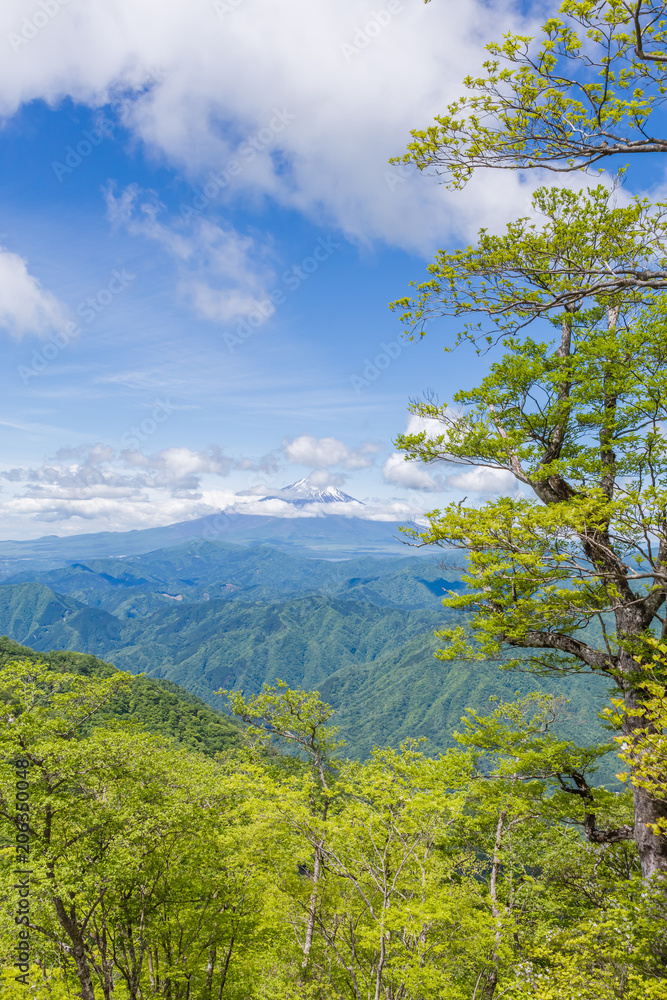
x,y
582,92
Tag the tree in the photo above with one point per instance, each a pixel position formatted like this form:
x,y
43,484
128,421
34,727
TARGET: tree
x,y
572,918
400,917
42,715
574,569
462,876
148,864
582,94
644,747
299,718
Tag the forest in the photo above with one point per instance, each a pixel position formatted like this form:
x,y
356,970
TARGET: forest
x,y
360,631
277,867
139,861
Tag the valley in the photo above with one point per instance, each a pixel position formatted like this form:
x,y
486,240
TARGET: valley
x,y
207,615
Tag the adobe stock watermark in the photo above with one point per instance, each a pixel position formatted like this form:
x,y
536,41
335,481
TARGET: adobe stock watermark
x,y
88,310
224,7
364,35
155,74
31,26
292,279
22,872
374,367
140,433
216,525
398,175
74,156
251,146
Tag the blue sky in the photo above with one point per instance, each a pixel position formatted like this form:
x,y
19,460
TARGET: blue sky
x,y
200,237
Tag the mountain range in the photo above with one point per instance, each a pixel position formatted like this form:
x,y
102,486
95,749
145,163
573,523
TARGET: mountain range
x,y
209,614
158,706
330,534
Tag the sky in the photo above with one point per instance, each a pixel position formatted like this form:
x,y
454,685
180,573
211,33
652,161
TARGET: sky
x,y
201,234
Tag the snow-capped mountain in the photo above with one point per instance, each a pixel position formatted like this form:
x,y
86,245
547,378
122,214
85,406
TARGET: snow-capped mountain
x,y
302,492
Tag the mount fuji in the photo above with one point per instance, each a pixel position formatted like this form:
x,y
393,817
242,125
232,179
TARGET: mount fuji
x,y
301,493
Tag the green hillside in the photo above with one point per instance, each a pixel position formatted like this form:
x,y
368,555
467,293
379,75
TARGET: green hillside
x,y
409,693
375,664
210,615
158,706
33,614
237,645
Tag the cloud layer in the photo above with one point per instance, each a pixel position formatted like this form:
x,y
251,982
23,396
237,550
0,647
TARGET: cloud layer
x,y
303,103
97,487
327,452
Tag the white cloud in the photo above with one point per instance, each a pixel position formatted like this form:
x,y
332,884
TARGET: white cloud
x,y
329,451
98,488
482,480
433,428
103,513
273,93
321,478
78,477
26,307
410,474
222,273
181,466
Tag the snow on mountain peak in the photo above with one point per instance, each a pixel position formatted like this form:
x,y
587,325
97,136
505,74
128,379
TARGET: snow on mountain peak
x,y
301,492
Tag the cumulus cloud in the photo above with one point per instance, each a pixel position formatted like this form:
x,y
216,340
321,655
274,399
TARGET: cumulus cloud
x,y
180,467
76,478
410,474
433,428
329,451
26,307
304,104
481,480
321,478
223,274
268,463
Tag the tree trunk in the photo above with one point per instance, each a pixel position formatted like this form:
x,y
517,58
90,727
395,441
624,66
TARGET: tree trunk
x,y
312,907
652,848
210,967
632,622
225,967
492,976
152,972
73,932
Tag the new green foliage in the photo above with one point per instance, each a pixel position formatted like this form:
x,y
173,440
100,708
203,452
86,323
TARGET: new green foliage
x,y
124,832
581,93
158,706
359,630
156,872
572,569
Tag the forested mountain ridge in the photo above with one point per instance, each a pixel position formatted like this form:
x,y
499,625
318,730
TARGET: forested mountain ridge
x,y
207,615
199,570
158,706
